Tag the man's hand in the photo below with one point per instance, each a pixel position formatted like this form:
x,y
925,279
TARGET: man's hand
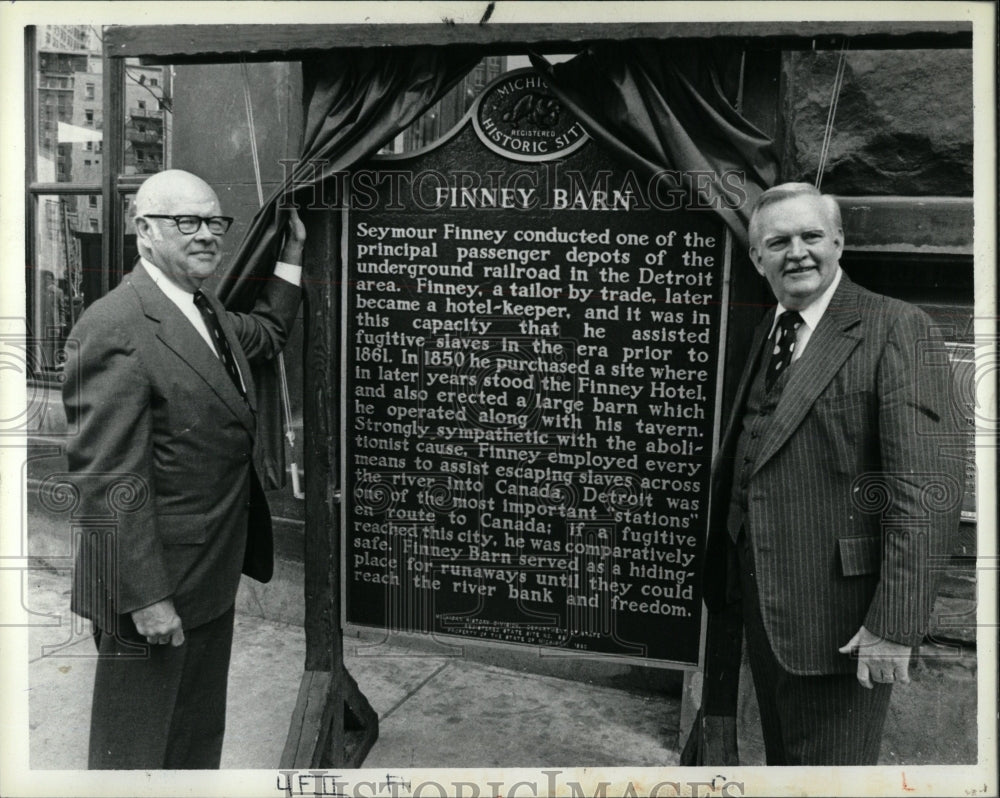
x,y
879,660
159,623
295,239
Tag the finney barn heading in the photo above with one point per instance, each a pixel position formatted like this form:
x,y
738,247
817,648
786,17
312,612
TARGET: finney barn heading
x,y
546,187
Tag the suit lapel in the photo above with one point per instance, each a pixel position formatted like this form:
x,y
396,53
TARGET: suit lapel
x,y
831,344
177,333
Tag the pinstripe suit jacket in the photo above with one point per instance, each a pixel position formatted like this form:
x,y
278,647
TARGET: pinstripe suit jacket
x,y
162,453
854,493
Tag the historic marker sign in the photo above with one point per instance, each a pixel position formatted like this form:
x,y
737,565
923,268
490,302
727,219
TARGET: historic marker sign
x,y
531,359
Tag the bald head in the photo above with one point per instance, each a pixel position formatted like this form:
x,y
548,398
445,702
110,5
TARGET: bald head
x,y
186,259
164,190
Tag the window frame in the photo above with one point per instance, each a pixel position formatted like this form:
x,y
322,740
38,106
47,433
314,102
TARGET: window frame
x,y
35,189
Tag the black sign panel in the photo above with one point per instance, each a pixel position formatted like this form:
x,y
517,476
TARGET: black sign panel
x,y
531,356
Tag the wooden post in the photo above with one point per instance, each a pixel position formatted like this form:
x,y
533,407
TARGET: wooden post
x,y
333,725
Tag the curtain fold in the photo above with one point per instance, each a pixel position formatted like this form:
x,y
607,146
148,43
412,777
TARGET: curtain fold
x,y
661,107
355,101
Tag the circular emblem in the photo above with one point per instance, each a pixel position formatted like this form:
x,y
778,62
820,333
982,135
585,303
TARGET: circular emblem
x,y
517,117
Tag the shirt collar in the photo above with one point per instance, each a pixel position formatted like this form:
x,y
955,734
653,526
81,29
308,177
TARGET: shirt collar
x,y
173,291
812,314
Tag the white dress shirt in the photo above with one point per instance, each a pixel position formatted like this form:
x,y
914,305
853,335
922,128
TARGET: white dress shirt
x,y
811,316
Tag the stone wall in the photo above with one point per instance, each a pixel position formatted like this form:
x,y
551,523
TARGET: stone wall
x,y
903,123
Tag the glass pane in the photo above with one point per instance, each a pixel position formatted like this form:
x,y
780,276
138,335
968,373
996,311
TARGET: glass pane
x,y
66,275
70,139
148,114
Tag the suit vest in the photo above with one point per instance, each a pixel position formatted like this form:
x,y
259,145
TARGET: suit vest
x,y
757,418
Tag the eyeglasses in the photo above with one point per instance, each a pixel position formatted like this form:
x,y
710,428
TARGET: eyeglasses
x,y
217,225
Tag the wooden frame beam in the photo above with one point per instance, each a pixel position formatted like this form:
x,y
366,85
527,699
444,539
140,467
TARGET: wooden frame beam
x,y
216,43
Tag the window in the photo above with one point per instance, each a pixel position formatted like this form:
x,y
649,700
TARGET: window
x,y
68,267
147,121
66,272
64,257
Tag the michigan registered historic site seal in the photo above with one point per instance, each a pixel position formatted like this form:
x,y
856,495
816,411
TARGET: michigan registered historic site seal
x,y
518,117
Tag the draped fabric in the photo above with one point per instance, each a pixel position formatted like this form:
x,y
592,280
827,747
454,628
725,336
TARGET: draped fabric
x,y
661,109
355,101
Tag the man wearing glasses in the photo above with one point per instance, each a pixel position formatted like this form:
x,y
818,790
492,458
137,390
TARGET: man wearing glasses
x,y
159,390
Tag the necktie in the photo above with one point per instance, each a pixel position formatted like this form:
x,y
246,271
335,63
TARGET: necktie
x,y
784,345
221,344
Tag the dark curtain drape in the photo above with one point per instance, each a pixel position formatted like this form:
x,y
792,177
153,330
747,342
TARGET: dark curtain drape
x,y
661,107
355,101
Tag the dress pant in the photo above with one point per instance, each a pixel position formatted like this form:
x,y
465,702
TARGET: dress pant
x,y
807,720
160,707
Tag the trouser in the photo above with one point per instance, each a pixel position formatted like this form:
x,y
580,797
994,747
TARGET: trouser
x,y
162,707
807,720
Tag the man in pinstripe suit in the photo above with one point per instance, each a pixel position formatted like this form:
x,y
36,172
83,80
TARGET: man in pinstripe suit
x,y
839,405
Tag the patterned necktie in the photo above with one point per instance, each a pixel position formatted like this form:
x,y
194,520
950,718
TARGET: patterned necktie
x,y
788,324
221,344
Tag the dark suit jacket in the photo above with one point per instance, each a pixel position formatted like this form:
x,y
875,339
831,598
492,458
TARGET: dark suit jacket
x,y
857,487
162,458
